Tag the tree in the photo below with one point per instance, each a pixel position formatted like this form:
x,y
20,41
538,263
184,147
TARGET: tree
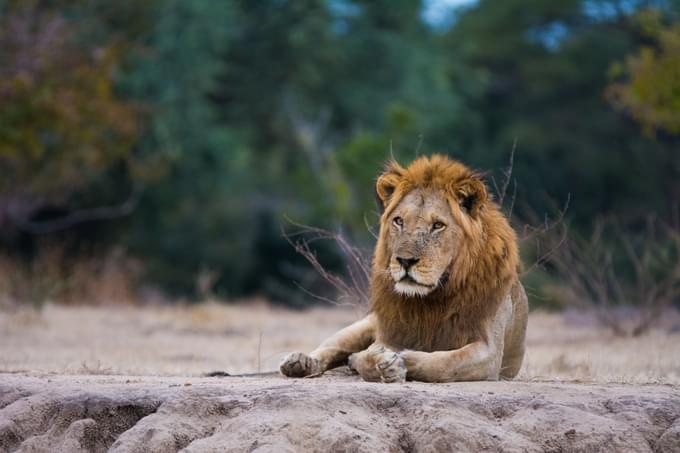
x,y
650,91
196,214
539,78
60,130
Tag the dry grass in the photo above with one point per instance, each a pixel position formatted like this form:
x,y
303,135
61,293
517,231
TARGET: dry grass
x,y
574,346
192,340
54,276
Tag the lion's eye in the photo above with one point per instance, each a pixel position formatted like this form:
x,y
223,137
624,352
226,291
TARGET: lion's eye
x,y
436,226
398,221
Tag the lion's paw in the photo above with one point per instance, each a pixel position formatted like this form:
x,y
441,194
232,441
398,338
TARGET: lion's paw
x,y
297,364
378,364
391,367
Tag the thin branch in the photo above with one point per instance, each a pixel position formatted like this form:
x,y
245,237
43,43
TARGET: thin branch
x,y
357,263
85,215
507,173
316,296
369,227
646,275
420,143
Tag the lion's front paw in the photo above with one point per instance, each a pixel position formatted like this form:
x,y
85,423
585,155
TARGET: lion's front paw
x,y
297,364
378,363
391,367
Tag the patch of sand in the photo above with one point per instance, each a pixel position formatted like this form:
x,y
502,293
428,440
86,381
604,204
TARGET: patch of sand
x,y
247,338
332,413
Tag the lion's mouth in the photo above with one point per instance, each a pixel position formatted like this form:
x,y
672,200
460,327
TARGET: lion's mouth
x,y
409,286
409,279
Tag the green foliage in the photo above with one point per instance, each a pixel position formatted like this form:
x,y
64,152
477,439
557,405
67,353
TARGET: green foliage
x,y
61,129
362,158
540,78
235,114
194,214
651,92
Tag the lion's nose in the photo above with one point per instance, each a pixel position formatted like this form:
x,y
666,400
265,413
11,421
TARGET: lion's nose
x,y
406,263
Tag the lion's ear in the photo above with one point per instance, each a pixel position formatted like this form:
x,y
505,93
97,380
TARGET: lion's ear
x,y
472,195
387,183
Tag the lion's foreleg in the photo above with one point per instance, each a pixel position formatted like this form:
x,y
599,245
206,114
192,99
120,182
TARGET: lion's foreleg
x,y
478,361
333,352
473,362
353,338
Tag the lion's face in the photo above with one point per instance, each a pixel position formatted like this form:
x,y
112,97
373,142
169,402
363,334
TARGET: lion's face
x,y
422,238
431,224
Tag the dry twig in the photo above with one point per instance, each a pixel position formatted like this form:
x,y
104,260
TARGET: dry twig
x,y
613,271
352,289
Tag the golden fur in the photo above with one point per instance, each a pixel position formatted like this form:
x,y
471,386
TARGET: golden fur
x,y
446,301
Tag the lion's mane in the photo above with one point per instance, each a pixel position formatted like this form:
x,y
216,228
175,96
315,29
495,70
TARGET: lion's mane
x,y
481,274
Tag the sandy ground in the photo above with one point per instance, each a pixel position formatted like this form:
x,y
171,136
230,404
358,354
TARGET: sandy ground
x,y
247,338
333,413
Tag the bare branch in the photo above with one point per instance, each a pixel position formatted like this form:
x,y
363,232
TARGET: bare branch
x,y
369,227
644,280
507,173
86,215
420,143
353,288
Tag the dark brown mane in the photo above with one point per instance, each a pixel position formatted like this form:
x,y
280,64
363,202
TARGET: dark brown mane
x,y
480,276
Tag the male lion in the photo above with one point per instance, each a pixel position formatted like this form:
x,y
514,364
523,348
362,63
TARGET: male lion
x,y
446,300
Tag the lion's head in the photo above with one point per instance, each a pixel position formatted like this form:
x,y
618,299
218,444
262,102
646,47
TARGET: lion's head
x,y
439,229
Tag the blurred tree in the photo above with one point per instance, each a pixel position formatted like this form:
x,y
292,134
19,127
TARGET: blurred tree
x,y
647,87
397,96
306,79
245,111
540,78
320,91
60,130
197,212
652,92
277,88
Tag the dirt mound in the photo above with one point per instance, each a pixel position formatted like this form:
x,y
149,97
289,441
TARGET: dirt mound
x,y
331,413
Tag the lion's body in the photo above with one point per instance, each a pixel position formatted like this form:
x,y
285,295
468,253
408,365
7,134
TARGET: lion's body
x,y
437,330
446,300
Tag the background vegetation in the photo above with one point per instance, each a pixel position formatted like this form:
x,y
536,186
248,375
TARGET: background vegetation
x,y
177,135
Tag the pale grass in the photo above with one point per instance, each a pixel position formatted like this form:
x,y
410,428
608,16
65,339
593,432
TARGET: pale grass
x,y
53,275
574,347
189,340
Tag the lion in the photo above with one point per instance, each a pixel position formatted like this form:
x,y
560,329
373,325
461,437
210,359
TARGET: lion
x,y
446,303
